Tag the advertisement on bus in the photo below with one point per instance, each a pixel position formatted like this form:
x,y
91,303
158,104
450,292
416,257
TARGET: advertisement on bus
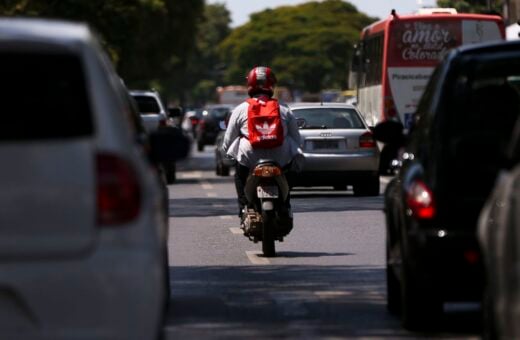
x,y
416,47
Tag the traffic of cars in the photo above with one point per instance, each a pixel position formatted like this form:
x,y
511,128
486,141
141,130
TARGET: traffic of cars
x,y
451,209
154,117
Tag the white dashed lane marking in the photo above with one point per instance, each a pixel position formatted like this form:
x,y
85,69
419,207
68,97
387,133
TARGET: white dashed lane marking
x,y
254,257
211,194
236,231
191,174
206,185
226,217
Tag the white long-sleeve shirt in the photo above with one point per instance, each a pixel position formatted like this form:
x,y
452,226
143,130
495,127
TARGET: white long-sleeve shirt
x,y
236,143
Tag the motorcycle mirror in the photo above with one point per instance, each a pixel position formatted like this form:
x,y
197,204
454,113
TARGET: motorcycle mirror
x,y
300,122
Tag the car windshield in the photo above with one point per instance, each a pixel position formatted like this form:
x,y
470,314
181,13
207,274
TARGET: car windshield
x,y
329,118
147,105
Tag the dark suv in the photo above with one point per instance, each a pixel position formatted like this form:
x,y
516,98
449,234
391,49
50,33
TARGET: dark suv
x,y
449,163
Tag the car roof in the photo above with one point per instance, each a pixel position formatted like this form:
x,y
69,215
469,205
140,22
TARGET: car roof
x,y
319,105
27,30
493,47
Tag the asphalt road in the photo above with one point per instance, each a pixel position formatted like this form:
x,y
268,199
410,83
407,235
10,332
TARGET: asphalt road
x,y
328,280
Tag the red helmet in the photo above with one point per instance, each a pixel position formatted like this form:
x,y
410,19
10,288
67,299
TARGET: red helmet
x,y
261,80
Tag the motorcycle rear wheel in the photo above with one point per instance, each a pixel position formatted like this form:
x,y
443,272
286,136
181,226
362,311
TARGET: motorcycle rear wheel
x,y
268,234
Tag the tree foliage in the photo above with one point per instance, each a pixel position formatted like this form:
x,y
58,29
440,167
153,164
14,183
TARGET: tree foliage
x,y
205,65
472,6
147,39
308,46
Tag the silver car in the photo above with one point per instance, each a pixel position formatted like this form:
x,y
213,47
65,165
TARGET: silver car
x,y
338,147
82,226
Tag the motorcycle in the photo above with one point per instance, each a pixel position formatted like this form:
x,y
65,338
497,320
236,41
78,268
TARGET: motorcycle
x,y
267,217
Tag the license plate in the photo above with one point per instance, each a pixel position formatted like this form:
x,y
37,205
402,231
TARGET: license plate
x,y
326,145
267,191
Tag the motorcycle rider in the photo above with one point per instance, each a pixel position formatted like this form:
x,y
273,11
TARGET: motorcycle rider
x,y
260,84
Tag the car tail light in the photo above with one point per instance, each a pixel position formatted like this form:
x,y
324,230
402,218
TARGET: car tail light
x,y
366,140
267,171
202,124
163,123
194,120
471,256
118,192
421,201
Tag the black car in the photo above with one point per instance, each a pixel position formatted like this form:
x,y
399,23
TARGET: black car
x,y
211,123
450,161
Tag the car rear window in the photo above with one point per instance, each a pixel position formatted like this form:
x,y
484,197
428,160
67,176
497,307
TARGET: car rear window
x,y
219,113
147,105
44,97
329,118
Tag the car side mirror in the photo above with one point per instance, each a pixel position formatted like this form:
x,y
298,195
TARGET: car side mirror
x,y
168,144
390,132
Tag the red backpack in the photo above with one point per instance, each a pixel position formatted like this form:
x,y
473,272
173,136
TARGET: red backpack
x,y
264,123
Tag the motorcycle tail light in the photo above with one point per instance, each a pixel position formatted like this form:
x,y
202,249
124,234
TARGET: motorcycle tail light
x,y
421,201
267,171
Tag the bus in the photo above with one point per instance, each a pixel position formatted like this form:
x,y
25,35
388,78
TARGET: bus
x,y
231,95
396,56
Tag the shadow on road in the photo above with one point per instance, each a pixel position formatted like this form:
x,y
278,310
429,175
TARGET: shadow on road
x,y
298,302
299,254
213,206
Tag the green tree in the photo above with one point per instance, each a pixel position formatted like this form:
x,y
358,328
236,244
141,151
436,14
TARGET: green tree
x,y
148,40
308,46
473,6
205,66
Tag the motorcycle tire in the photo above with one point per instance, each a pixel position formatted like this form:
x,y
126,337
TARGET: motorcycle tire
x,y
268,234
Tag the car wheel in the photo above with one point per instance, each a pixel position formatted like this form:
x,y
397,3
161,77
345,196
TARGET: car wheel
x,y
420,307
224,170
171,173
367,187
200,145
393,287
489,330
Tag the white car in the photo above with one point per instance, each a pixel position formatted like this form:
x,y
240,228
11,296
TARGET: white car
x,y
151,109
82,227
153,116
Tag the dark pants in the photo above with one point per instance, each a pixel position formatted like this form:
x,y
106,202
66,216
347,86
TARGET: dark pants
x,y
241,173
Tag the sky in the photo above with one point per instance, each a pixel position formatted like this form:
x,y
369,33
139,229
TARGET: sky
x,y
241,9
